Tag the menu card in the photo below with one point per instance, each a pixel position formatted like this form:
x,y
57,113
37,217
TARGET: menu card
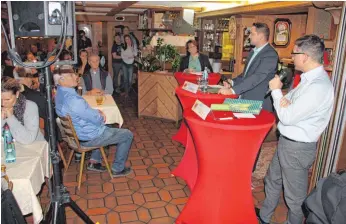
x,y
191,87
201,109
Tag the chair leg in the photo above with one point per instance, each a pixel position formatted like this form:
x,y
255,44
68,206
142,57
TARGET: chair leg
x,y
69,160
106,162
62,155
81,170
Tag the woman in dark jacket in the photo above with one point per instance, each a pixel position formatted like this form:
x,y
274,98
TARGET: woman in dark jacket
x,y
194,61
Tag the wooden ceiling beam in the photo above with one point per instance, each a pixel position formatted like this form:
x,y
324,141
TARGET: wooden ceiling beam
x,y
97,5
121,6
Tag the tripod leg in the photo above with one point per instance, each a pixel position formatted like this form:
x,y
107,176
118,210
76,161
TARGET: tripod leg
x,y
80,213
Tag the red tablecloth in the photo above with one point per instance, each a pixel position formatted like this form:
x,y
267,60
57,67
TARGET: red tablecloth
x,y
187,99
226,152
187,168
181,77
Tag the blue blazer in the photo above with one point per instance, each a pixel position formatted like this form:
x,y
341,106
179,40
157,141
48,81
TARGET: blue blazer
x,y
254,85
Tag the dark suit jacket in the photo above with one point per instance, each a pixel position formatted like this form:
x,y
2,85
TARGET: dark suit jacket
x,y
203,59
41,102
255,83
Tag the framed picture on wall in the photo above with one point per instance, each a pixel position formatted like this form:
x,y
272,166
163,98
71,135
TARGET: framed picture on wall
x,y
246,40
282,32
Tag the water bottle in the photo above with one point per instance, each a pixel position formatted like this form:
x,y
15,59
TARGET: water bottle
x,y
9,148
205,80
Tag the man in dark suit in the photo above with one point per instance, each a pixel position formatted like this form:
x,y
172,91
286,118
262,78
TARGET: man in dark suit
x,y
260,68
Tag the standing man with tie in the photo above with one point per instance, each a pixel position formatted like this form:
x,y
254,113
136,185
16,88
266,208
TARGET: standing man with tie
x,y
304,113
260,68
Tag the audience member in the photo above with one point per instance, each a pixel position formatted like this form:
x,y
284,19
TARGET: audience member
x,y
21,115
89,124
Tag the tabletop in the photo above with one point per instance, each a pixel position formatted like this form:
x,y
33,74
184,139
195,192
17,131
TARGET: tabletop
x,y
109,108
27,175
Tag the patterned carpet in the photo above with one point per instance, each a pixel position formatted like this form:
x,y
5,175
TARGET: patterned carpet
x,y
265,157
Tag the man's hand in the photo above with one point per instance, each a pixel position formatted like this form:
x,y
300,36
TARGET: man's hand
x,y
226,91
275,83
227,84
103,115
284,103
95,91
3,114
8,112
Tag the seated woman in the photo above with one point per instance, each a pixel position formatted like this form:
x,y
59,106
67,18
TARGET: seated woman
x,y
83,65
21,115
194,61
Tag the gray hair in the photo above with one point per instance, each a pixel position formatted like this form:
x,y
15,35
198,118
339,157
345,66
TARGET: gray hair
x,y
311,45
60,71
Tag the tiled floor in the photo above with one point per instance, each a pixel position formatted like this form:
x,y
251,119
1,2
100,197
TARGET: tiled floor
x,y
150,194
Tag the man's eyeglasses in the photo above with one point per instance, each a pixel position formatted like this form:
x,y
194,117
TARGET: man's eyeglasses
x,y
294,53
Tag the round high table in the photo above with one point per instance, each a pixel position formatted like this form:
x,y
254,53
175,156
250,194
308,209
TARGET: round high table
x,y
187,168
226,151
181,77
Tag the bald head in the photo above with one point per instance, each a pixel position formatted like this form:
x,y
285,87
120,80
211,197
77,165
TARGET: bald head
x,y
94,61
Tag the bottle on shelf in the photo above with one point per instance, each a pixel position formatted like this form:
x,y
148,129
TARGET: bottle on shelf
x,y
9,147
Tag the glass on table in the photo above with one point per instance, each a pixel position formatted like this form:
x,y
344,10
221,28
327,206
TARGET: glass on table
x,y
100,98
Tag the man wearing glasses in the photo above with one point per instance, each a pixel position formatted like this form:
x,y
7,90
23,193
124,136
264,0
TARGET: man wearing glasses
x,y
304,113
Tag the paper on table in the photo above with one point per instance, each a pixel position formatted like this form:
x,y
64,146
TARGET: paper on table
x,y
243,115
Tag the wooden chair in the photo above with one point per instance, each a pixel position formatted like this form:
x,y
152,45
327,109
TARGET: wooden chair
x,y
59,147
73,143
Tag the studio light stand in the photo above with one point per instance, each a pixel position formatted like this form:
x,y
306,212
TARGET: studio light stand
x,y
60,197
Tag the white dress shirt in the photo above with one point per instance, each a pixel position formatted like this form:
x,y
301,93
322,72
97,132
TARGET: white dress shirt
x,y
311,107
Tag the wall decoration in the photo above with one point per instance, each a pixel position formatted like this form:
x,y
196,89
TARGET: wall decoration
x,y
246,42
232,28
282,32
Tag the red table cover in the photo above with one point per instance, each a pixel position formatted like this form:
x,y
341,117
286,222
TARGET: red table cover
x,y
181,77
187,168
187,99
226,152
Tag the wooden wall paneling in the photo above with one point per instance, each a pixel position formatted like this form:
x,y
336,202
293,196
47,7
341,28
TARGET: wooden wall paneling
x,y
342,155
156,96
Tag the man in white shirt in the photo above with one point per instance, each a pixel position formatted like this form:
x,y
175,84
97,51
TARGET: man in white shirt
x,y
304,113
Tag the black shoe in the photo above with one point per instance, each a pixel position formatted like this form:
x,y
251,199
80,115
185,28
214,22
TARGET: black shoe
x,y
123,173
96,167
260,221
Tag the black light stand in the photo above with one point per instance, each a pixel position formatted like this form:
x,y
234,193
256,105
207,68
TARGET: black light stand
x,y
60,195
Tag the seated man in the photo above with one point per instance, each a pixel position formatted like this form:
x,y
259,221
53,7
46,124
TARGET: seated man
x,y
96,80
89,124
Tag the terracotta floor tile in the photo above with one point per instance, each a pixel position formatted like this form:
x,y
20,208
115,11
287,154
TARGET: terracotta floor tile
x,y
148,190
113,218
143,215
124,200
172,210
146,183
158,212
96,203
128,216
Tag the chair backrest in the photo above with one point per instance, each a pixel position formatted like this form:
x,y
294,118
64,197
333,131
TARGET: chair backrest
x,y
70,133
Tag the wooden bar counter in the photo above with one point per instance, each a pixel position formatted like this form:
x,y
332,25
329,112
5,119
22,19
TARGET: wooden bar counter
x,y
156,96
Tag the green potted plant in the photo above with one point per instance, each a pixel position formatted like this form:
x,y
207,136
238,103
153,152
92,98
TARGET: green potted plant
x,y
167,53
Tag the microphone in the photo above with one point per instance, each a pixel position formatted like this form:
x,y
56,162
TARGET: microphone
x,y
283,74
